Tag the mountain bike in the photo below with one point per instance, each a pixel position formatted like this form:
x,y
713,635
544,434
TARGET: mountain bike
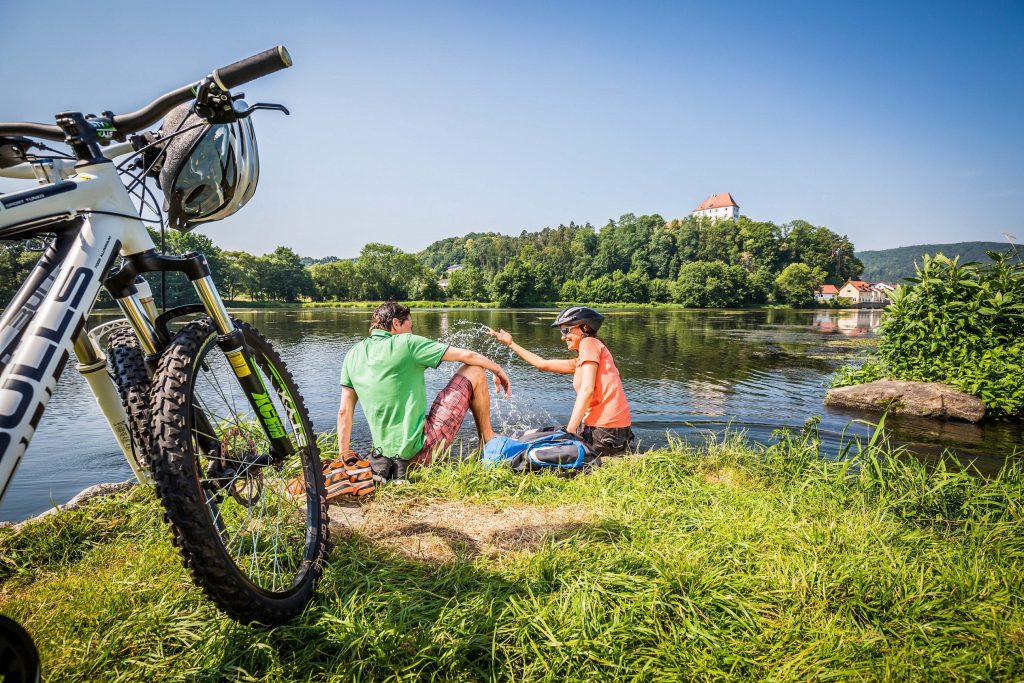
x,y
202,407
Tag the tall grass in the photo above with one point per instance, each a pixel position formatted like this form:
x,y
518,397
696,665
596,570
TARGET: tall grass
x,y
726,561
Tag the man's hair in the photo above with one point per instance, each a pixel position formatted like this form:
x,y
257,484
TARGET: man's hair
x,y
388,312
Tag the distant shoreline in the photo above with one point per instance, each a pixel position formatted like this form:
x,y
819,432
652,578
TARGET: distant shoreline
x,y
312,305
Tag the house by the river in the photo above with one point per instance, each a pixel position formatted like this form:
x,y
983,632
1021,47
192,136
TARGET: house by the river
x,y
862,294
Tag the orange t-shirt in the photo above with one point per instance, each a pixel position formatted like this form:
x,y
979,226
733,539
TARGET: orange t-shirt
x,y
608,407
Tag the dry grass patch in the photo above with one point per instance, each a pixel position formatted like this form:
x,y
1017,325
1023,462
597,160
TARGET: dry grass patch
x,y
727,476
439,531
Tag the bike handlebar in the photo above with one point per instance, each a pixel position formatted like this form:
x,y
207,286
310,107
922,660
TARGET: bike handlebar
x,y
227,77
251,68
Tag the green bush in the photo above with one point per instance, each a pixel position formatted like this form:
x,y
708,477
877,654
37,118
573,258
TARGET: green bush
x,y
960,324
711,284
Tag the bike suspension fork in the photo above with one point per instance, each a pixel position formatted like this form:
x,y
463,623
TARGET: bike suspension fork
x,y
92,365
232,342
229,339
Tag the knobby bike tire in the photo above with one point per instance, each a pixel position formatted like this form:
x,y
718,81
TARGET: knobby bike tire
x,y
127,367
229,525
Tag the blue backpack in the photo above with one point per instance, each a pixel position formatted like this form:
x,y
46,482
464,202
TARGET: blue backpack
x,y
550,449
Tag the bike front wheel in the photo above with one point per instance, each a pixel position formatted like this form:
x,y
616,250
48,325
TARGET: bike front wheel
x,y
252,530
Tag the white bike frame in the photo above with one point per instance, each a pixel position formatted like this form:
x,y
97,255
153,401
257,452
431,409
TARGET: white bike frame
x,y
95,221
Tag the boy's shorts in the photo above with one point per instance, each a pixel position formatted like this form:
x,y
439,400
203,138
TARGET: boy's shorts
x,y
444,419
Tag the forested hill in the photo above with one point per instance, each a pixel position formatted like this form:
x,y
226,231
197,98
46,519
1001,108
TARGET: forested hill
x,y
892,265
635,259
646,258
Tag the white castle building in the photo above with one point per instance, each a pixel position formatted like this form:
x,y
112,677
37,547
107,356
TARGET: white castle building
x,y
718,206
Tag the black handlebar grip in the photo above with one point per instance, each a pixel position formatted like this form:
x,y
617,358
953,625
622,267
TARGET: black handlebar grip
x,y
251,68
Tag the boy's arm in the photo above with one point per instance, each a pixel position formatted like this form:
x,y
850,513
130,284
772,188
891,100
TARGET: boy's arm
x,y
501,381
345,410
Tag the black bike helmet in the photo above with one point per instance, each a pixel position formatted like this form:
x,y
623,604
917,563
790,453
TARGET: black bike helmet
x,y
210,171
577,315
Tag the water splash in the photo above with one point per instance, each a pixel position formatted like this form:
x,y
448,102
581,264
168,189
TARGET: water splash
x,y
516,413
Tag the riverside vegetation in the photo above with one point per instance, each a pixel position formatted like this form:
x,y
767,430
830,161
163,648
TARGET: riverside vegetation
x,y
961,324
636,259
725,561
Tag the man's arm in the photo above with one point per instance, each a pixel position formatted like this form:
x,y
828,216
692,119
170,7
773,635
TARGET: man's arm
x,y
501,381
563,366
345,410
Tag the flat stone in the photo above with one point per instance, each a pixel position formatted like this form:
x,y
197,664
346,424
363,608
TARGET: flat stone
x,y
922,399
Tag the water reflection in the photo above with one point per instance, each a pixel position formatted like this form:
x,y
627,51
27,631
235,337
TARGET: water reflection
x,y
850,323
687,373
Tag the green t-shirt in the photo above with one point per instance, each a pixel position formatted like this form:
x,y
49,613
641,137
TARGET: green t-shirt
x,y
386,372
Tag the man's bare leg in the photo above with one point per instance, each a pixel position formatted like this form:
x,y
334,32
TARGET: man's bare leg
x,y
480,403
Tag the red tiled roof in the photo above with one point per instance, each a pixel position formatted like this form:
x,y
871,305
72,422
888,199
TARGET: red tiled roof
x,y
718,201
859,284
828,289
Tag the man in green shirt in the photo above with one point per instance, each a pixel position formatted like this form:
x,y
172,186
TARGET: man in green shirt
x,y
385,372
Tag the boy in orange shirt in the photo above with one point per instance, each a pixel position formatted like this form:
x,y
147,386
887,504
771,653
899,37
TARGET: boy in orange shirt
x,y
601,414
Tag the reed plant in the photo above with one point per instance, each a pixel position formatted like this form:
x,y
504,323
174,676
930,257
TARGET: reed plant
x,y
720,561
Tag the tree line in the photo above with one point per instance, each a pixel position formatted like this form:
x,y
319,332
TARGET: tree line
x,y
692,261
695,262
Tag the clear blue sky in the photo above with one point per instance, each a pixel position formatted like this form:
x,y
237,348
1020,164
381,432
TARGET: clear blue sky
x,y
895,123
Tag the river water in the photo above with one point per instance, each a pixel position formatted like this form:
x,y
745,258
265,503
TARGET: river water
x,y
688,373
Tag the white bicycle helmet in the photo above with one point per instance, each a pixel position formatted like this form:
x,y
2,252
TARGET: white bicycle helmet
x,y
209,172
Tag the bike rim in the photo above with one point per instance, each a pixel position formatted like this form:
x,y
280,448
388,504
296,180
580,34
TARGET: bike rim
x,y
265,531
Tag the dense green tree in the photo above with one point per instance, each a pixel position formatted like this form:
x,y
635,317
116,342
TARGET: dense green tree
x,y
424,286
468,284
285,278
385,272
711,284
761,283
16,261
515,285
759,240
797,282
819,247
660,290
634,258
334,281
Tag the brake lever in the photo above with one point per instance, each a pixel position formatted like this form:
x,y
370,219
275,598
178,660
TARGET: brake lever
x,y
262,105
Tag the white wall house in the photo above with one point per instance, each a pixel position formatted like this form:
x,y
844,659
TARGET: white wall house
x,y
885,288
717,207
861,292
826,293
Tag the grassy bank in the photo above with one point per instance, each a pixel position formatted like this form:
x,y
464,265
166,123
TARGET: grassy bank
x,y
721,562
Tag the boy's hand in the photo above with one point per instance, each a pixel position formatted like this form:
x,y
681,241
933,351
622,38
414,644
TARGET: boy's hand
x,y
501,382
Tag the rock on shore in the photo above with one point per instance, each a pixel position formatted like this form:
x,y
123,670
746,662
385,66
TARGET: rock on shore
x,y
78,501
923,399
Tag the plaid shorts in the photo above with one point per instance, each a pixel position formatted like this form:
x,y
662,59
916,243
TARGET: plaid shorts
x,y
444,419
